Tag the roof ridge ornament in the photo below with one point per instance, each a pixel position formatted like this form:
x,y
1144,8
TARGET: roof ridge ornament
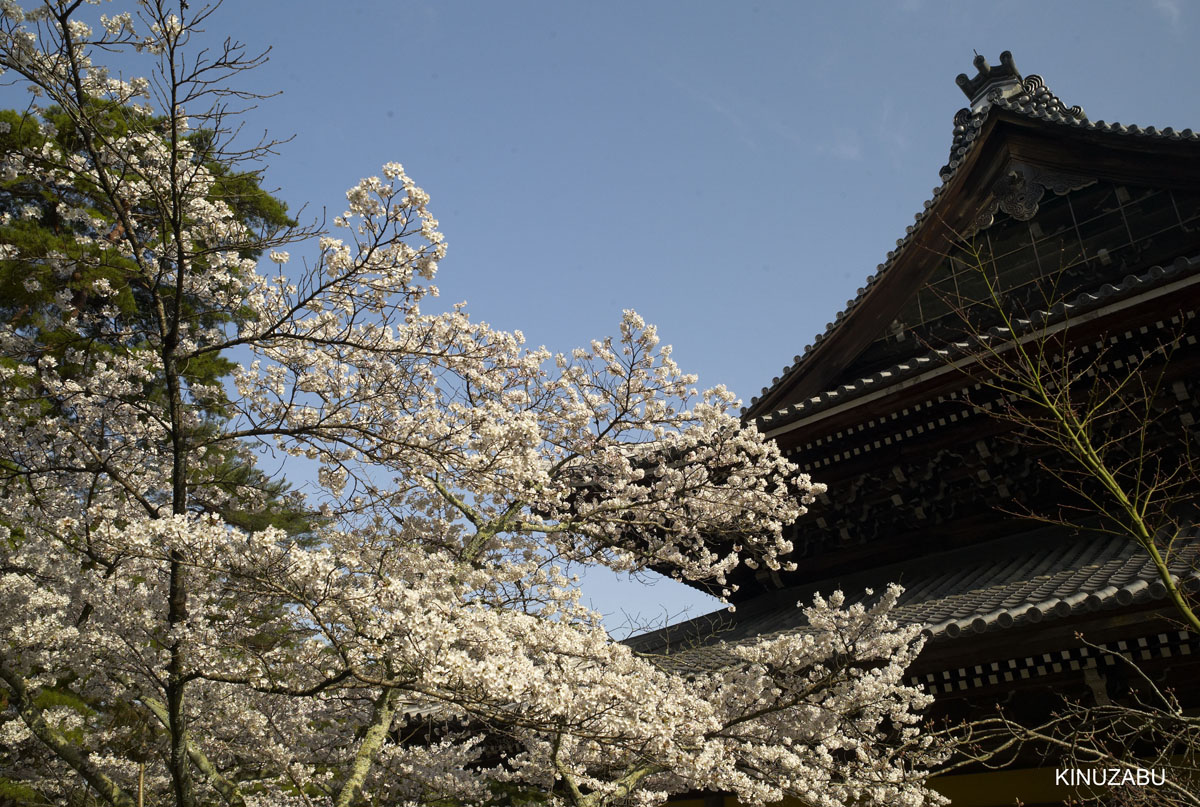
x,y
1036,95
1002,85
1005,83
1003,78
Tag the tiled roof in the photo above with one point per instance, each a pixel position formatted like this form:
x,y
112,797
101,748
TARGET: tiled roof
x,y
1131,286
1033,101
1005,584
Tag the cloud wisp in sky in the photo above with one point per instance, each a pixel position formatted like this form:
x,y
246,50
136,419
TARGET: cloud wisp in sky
x,y
1171,10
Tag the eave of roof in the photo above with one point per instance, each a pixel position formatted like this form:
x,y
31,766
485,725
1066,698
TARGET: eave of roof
x,y
1181,273
1004,585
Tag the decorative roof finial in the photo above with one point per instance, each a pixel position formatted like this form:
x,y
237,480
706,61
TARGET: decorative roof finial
x,y
988,79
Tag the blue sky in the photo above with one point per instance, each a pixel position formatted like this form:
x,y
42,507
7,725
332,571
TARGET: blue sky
x,y
732,171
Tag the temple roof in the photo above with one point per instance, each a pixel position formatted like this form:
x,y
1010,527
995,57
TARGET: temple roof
x,y
994,90
1006,584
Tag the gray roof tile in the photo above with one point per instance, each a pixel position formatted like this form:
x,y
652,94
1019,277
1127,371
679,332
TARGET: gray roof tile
x,y
1005,584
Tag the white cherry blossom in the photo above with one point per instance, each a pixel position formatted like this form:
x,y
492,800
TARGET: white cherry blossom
x,y
421,639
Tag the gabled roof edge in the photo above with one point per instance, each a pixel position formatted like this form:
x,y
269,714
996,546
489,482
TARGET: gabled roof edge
x,y
1036,103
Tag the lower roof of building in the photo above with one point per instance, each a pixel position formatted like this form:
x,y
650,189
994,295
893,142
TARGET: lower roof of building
x,y
1002,585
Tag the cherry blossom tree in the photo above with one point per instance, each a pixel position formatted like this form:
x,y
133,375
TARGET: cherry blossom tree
x,y
422,642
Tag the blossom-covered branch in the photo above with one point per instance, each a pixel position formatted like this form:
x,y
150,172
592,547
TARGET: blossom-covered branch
x,y
178,625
